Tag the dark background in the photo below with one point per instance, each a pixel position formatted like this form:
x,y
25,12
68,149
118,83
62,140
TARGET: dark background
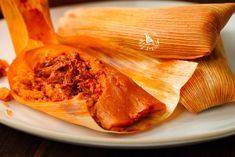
x,y
17,144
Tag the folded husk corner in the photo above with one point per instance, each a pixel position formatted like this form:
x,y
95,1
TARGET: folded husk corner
x,y
212,84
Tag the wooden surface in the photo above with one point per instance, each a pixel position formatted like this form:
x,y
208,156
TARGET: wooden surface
x,y
17,144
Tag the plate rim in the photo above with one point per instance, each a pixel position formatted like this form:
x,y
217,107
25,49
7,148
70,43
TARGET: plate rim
x,y
114,143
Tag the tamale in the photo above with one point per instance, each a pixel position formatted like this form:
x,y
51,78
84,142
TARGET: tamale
x,y
183,32
212,84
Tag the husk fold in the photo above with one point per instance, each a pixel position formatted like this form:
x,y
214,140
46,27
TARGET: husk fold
x,y
29,23
183,32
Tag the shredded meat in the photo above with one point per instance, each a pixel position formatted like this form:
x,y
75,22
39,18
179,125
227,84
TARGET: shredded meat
x,y
3,66
60,78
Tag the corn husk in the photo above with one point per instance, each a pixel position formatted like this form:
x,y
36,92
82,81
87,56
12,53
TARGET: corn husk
x,y
183,32
74,110
212,84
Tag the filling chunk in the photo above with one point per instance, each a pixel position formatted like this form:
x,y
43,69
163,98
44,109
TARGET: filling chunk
x,y
3,67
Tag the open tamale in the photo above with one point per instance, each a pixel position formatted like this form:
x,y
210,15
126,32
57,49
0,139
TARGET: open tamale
x,y
74,86
183,32
68,83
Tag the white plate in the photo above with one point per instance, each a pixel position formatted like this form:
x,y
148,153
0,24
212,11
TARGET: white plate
x,y
182,129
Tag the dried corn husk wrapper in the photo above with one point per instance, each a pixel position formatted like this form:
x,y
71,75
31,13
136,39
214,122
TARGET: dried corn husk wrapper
x,y
183,32
35,18
212,84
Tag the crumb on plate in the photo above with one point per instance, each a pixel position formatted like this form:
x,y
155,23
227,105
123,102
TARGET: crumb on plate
x,y
5,94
